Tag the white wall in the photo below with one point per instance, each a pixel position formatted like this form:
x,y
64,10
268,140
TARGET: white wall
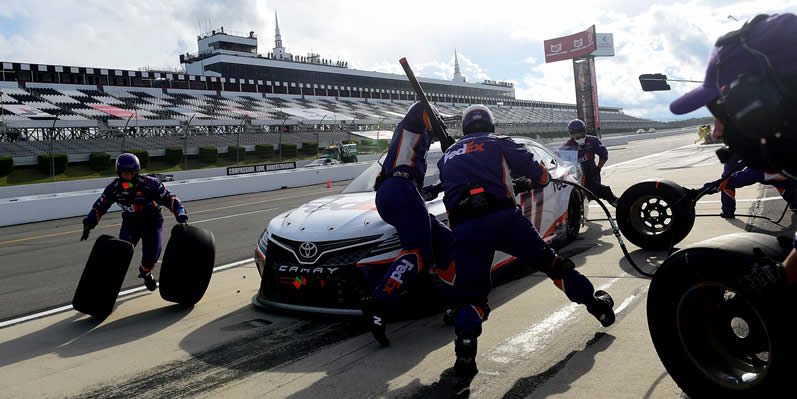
x,y
62,205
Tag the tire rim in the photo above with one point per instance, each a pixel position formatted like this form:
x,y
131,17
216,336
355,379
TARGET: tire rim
x,y
724,337
651,215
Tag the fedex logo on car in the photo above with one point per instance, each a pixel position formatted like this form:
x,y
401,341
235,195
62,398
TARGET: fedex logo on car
x,y
466,149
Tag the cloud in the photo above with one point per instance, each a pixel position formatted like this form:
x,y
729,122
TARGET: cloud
x,y
500,41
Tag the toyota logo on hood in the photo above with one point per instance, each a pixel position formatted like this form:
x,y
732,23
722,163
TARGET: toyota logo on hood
x,y
308,250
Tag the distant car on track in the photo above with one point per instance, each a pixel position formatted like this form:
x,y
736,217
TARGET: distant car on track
x,y
322,162
640,131
162,177
325,255
651,130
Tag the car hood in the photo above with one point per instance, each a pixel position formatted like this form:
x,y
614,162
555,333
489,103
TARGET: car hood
x,y
332,218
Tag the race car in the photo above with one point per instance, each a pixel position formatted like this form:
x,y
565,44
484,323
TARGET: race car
x,y
325,255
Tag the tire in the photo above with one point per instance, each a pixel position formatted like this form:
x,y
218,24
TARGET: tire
x,y
103,276
575,214
694,298
655,214
187,264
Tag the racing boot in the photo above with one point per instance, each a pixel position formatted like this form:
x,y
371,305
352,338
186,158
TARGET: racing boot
x,y
450,316
374,315
149,281
602,308
465,348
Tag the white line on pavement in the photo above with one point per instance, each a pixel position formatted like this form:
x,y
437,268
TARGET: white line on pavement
x,y
121,294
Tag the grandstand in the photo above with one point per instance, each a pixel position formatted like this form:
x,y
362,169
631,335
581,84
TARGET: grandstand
x,y
111,118
234,96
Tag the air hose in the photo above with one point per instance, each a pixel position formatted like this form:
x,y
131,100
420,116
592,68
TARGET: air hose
x,y
619,237
615,229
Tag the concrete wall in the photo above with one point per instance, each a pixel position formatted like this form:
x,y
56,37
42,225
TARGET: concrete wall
x,y
77,203
100,183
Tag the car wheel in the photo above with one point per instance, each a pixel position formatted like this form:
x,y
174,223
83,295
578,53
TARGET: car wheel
x,y
575,213
716,336
655,214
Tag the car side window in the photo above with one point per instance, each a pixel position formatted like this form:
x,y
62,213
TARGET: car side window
x,y
544,156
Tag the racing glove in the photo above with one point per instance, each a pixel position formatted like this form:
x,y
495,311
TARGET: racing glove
x,y
182,217
87,227
522,185
431,191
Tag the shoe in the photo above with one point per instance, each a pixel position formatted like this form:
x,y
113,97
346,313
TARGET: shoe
x,y
374,315
450,316
149,281
727,215
602,308
465,348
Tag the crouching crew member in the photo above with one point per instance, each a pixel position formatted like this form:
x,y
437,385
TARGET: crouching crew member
x,y
400,203
140,198
476,174
588,147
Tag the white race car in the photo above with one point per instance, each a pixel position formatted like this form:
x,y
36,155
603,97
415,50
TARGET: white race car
x,y
325,255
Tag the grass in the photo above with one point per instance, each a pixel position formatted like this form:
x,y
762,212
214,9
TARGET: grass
x,y
31,174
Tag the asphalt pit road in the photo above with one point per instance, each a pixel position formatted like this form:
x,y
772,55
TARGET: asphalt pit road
x,y
248,325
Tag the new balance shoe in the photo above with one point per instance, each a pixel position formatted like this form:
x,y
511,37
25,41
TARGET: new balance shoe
x,y
374,315
465,348
602,308
149,281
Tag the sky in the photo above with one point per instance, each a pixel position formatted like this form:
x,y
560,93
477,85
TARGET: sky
x,y
497,40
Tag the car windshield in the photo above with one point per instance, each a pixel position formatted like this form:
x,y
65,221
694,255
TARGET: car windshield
x,y
365,181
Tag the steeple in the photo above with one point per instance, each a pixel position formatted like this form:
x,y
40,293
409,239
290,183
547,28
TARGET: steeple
x,y
457,75
279,51
277,37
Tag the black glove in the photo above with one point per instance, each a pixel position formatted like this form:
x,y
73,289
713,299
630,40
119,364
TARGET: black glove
x,y
522,185
87,226
431,192
182,218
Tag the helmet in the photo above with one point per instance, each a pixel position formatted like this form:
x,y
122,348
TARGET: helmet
x,y
752,92
576,126
127,161
477,119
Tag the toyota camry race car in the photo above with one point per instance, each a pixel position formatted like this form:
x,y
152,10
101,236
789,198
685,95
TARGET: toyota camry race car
x,y
325,255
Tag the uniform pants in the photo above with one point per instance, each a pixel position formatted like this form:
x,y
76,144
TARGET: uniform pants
x,y
149,230
475,243
423,238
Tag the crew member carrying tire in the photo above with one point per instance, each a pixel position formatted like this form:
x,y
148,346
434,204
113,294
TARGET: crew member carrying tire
x,y
424,239
140,198
588,147
476,174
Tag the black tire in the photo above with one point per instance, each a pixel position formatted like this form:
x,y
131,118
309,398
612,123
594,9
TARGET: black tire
x,y
655,214
694,298
575,214
187,264
103,276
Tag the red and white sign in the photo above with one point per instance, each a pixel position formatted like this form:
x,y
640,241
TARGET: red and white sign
x,y
117,112
26,111
576,45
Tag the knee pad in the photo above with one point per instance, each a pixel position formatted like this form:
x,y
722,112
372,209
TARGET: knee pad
x,y
559,269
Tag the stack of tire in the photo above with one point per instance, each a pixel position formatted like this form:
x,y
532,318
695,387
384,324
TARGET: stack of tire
x,y
185,271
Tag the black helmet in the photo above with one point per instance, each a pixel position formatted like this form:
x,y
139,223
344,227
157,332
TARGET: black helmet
x,y
127,161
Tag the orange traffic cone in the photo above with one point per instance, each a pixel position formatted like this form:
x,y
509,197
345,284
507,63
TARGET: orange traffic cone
x,y
328,184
